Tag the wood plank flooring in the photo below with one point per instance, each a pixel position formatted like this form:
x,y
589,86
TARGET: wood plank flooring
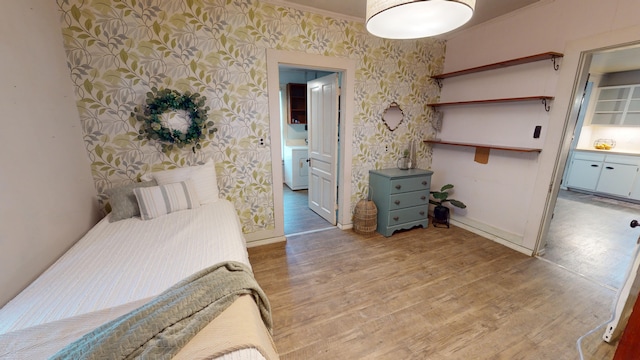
x,y
431,293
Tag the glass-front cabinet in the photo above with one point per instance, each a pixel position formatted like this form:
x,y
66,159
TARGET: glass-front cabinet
x,y
618,105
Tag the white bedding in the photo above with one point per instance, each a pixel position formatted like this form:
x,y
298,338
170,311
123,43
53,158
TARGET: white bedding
x,y
128,261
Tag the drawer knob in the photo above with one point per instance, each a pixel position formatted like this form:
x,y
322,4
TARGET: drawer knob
x,y
423,197
398,187
421,213
397,202
396,218
424,183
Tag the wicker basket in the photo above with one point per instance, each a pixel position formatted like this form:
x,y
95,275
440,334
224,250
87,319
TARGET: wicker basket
x,y
365,217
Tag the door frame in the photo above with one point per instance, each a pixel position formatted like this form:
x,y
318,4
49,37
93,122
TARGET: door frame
x,y
345,66
582,76
577,54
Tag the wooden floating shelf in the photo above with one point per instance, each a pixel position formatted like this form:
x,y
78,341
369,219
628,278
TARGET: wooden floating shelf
x,y
490,101
518,61
498,147
483,150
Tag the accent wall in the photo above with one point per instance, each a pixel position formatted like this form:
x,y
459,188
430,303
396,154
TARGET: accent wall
x,y
118,50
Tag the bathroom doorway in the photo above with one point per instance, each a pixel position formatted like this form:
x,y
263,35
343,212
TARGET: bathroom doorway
x,y
298,217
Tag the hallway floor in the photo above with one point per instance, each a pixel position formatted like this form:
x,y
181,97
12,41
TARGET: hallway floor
x,y
298,218
591,236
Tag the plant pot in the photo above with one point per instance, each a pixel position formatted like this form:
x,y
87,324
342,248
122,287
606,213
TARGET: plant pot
x,y
403,163
440,215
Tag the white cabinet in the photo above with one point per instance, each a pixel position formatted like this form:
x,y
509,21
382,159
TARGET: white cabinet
x,y
617,105
635,190
609,174
584,174
296,167
617,179
622,173
585,170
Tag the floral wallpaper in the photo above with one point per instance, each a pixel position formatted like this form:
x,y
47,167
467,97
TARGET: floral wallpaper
x,y
119,49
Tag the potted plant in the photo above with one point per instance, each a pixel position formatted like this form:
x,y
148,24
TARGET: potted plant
x,y
441,212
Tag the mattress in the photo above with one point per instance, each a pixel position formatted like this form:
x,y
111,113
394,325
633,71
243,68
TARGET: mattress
x,y
117,266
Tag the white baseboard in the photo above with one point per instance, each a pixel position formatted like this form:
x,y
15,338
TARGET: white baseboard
x,y
260,242
345,226
502,237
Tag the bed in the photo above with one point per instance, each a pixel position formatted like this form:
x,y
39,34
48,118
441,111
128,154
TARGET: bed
x,y
127,261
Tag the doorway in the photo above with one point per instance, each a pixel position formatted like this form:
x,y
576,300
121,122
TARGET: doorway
x,y
298,218
345,66
297,125
589,233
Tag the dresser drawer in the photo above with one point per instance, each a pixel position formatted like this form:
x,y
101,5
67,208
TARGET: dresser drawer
x,y
408,199
409,184
408,215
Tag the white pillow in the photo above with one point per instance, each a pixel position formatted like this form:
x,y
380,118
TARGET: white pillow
x,y
203,177
164,199
206,183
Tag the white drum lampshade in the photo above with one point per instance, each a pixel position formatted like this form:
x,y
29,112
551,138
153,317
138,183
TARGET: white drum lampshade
x,y
407,19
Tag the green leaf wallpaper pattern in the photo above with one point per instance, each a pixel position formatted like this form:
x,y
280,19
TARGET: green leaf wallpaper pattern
x,y
119,49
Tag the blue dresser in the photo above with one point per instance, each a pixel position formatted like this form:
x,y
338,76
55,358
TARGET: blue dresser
x,y
402,198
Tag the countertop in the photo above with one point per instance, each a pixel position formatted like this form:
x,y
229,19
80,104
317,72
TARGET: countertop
x,y
296,147
613,151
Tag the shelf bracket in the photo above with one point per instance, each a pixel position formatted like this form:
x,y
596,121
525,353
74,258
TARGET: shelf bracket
x,y
546,106
556,66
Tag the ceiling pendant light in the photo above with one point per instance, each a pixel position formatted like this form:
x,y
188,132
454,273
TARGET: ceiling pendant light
x,y
412,19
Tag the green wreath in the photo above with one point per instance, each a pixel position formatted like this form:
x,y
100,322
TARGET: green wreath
x,y
166,100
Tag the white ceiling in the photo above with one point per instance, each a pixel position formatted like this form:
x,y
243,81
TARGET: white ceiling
x,y
485,9
623,59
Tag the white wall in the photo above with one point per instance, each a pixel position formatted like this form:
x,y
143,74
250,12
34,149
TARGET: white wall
x,y
47,196
506,198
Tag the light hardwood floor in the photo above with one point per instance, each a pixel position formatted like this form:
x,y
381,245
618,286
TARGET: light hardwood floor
x,y
431,293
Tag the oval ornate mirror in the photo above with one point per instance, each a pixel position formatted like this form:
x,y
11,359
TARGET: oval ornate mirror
x,y
393,116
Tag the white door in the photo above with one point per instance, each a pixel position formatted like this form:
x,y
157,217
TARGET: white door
x,y
627,296
322,115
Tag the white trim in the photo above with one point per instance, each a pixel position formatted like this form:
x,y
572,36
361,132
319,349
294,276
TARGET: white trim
x,y
503,237
273,240
260,235
347,99
315,10
345,226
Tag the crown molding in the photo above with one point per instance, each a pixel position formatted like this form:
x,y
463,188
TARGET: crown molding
x,y
314,10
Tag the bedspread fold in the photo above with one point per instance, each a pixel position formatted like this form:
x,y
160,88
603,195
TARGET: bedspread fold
x,y
160,328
